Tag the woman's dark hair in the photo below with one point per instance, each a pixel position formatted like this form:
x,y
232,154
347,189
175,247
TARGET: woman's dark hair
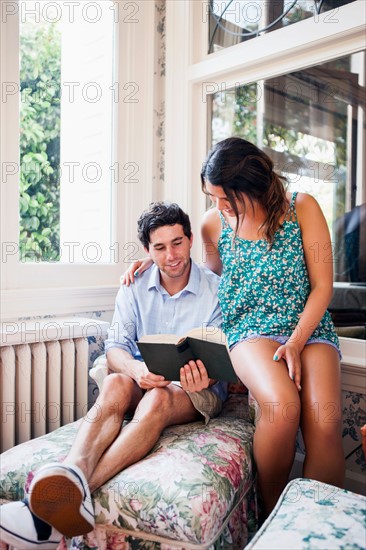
x,y
159,214
240,167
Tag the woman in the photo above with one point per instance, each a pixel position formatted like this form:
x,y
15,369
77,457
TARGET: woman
x,y
273,250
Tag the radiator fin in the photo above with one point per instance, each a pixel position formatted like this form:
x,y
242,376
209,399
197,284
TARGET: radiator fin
x,y
23,397
68,380
8,403
81,374
39,389
53,385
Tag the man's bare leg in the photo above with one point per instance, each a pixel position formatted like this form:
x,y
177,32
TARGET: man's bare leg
x,y
159,408
102,424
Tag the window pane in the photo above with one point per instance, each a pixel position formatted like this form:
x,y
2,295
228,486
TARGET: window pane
x,y
234,21
312,124
66,145
40,81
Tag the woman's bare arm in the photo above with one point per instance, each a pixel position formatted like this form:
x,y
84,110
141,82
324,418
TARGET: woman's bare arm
x,y
319,262
135,269
211,230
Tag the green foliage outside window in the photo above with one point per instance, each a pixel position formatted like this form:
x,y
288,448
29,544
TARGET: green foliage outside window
x,y
40,79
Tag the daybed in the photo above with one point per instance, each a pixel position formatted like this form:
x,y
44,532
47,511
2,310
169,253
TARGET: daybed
x,y
195,489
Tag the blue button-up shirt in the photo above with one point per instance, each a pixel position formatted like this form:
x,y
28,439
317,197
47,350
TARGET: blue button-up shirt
x,y
145,307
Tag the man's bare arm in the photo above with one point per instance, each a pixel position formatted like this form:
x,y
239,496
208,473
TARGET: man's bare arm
x,y
120,361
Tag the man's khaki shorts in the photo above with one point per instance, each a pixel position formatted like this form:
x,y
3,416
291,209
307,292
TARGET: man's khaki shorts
x,y
206,402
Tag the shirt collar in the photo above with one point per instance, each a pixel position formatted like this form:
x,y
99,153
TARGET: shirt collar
x,y
192,286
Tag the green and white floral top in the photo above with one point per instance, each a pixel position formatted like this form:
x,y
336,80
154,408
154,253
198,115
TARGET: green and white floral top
x,y
263,291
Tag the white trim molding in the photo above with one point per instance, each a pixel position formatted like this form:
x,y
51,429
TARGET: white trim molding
x,y
287,49
46,330
22,303
353,365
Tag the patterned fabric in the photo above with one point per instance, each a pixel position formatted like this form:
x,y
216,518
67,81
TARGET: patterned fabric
x,y
312,515
264,291
195,486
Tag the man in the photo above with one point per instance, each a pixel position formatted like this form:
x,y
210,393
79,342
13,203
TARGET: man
x,y
174,296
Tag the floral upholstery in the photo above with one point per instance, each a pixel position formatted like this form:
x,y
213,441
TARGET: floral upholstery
x,y
195,486
314,515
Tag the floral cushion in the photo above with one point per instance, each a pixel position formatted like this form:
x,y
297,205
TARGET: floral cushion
x,y
314,515
196,485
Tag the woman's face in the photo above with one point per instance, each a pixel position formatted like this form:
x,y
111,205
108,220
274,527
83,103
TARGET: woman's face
x,y
220,200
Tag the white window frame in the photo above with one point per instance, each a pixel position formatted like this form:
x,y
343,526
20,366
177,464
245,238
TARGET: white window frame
x,y
41,289
190,69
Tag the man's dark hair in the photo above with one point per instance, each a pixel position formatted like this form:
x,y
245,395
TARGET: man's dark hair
x,y
159,214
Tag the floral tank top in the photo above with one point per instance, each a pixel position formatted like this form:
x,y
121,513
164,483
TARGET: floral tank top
x,y
264,291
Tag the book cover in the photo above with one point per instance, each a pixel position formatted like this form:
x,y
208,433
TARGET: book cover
x,y
166,354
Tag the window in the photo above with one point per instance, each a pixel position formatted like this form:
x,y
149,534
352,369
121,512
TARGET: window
x,y
303,82
91,173
235,21
66,130
39,185
308,122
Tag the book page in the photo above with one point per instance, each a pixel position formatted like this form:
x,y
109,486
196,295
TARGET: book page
x,y
160,338
205,332
209,334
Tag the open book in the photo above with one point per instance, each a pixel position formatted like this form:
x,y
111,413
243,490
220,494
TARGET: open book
x,y
165,354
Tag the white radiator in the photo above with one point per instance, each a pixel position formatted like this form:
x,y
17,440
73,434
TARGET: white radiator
x,y
44,384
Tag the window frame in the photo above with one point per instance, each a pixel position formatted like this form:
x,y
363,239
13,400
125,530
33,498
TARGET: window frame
x,y
192,73
41,289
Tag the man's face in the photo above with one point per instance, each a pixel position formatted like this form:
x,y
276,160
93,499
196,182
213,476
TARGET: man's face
x,y
169,249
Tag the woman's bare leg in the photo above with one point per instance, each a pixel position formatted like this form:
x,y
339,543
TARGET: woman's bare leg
x,y
321,414
279,414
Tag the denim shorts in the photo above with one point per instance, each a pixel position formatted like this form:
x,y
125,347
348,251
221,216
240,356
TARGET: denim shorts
x,y
281,339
